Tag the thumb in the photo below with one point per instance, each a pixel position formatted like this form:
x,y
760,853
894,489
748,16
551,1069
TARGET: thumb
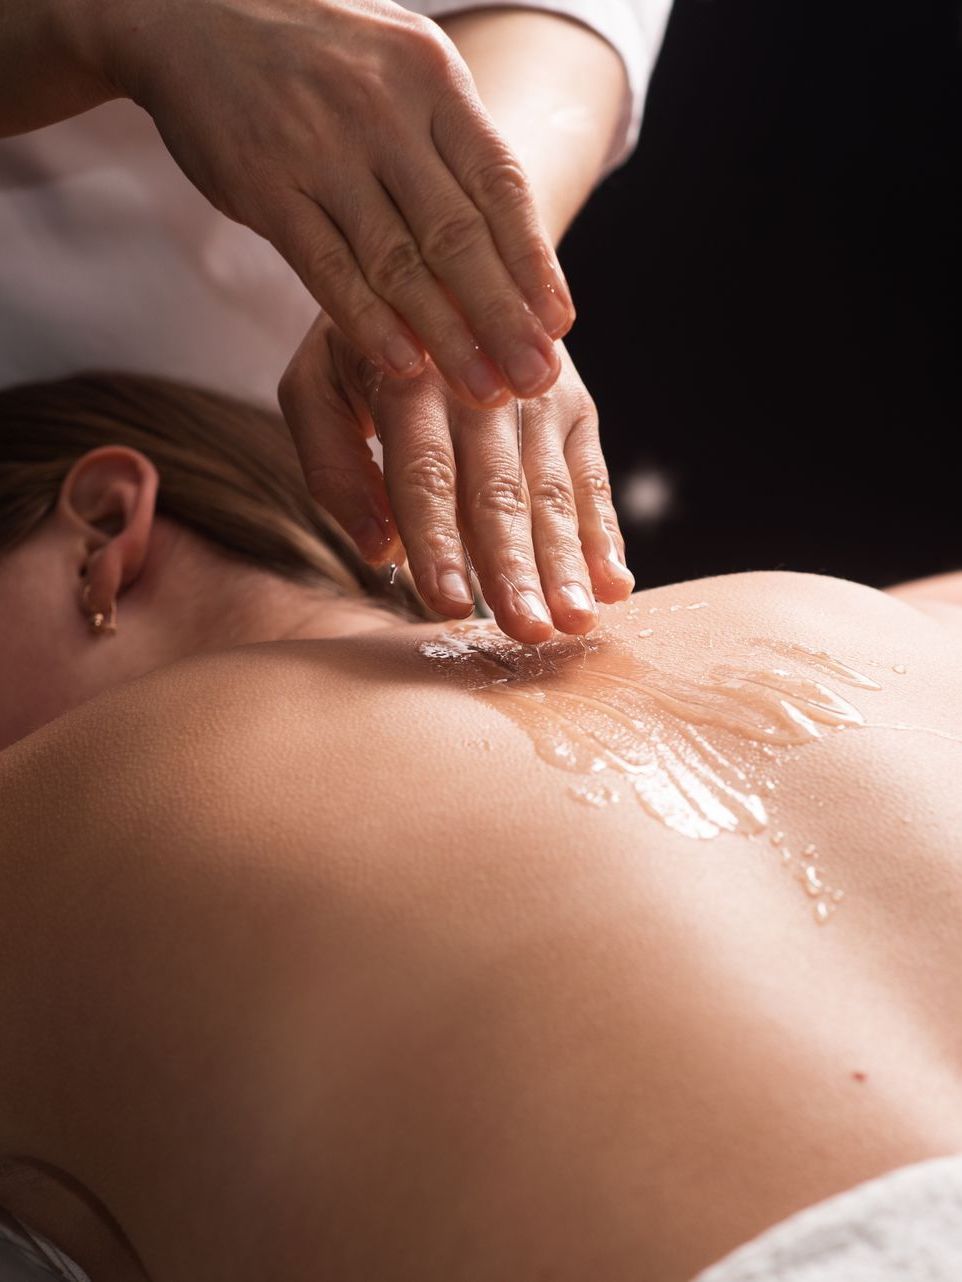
x,y
325,396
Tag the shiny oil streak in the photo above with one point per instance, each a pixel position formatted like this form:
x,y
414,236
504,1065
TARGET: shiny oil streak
x,y
694,751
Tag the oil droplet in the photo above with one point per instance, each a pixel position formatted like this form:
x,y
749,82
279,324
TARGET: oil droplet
x,y
598,796
900,668
777,838
647,632
823,911
813,882
699,605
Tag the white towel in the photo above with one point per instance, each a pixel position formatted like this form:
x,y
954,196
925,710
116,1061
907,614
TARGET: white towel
x,y
905,1226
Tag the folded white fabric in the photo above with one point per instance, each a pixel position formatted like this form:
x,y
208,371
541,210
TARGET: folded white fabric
x,y
905,1226
635,28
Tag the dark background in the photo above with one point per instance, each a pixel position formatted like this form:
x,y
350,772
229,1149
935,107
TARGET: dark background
x,y
769,294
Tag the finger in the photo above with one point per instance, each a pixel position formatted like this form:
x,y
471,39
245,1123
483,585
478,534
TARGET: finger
x,y
329,435
492,177
419,469
456,245
565,578
312,244
395,269
601,539
494,515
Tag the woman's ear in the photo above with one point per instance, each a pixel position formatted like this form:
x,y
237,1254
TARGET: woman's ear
x,y
109,498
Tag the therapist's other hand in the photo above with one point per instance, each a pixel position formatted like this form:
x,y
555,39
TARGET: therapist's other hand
x,y
352,137
544,551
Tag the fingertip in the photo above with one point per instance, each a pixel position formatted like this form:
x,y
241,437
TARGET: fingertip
x,y
451,594
573,610
531,371
554,310
613,583
403,358
375,538
523,615
480,384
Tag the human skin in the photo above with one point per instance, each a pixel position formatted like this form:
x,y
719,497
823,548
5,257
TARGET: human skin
x,y
308,136
555,92
315,84
346,994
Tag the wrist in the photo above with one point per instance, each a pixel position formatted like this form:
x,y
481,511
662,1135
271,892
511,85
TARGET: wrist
x,y
89,33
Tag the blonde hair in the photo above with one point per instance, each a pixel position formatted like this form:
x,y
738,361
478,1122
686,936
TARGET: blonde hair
x,y
228,471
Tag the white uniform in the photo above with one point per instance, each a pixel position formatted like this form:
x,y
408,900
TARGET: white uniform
x,y
110,259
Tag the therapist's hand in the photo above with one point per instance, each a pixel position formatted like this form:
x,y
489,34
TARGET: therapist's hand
x,y
544,551
351,136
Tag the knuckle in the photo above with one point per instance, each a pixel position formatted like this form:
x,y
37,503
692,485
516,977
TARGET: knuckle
x,y
587,420
440,544
504,315
553,497
432,473
516,565
595,482
584,432
502,183
531,262
499,496
396,268
364,310
330,264
454,237
429,44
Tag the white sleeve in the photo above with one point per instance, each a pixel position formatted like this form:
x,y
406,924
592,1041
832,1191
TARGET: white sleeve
x,y
635,28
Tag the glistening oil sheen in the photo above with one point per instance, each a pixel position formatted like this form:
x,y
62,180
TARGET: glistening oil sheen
x,y
694,752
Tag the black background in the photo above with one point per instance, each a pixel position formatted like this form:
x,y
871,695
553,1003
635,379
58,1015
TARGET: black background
x,y
769,292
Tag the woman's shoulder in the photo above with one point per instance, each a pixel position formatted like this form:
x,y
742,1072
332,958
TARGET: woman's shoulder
x,y
427,734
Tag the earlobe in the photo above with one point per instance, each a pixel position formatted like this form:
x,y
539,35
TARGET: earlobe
x,y
110,497
101,624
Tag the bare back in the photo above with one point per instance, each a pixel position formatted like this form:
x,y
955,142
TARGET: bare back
x,y
417,956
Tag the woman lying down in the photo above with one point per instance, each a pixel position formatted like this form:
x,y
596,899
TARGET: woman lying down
x,y
341,945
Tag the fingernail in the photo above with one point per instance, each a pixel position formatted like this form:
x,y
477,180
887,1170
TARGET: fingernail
x,y
527,370
401,354
551,310
371,537
482,381
615,564
454,586
535,607
618,570
577,598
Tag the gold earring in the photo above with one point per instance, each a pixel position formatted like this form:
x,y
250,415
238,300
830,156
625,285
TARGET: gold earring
x,y
100,623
